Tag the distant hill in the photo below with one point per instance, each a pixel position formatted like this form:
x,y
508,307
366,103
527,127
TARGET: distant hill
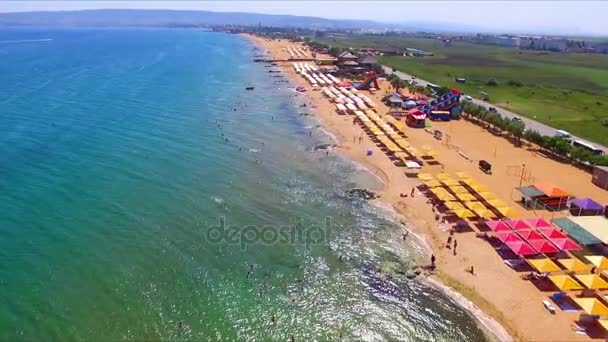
x,y
135,17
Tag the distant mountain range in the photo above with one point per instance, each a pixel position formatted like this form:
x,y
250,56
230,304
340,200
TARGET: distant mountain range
x,y
135,17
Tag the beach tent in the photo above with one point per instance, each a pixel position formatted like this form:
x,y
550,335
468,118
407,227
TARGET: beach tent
x,y
544,265
521,248
518,224
565,282
599,261
432,183
538,222
463,175
507,212
543,246
566,244
552,233
506,237
465,197
592,281
457,189
464,213
425,176
454,205
585,206
497,226
531,235
577,232
595,225
574,265
592,306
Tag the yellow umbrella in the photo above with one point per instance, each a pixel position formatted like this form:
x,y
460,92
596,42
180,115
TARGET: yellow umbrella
x,y
592,306
449,182
439,191
487,195
598,261
459,189
465,197
507,212
469,181
603,323
544,265
496,203
478,187
463,175
565,282
592,281
445,197
475,205
574,265
454,205
443,176
464,213
425,176
432,183
484,213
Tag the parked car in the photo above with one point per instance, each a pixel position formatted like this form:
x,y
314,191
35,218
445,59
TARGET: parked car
x,y
493,109
468,98
485,166
563,134
516,118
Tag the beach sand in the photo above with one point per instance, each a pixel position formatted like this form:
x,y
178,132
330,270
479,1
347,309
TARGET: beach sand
x,y
496,289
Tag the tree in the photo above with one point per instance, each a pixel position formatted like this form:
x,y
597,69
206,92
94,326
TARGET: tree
x,y
578,153
559,145
516,129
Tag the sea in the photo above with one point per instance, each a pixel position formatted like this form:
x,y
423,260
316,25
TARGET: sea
x,y
146,195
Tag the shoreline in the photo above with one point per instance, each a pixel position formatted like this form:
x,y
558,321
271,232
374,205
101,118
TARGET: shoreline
x,y
491,327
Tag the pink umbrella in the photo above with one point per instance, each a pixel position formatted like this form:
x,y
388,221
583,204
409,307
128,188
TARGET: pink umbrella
x,y
497,226
508,237
531,235
566,244
521,248
552,233
538,222
543,246
518,224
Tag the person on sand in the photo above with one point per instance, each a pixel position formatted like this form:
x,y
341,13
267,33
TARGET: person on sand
x,y
449,242
471,270
455,245
433,260
412,192
406,234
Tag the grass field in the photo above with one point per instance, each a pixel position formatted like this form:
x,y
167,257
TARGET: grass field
x,y
564,90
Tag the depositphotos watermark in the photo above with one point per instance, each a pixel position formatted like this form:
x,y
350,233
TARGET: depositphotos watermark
x,y
296,233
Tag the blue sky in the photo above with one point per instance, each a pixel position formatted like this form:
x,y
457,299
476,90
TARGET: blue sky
x,y
563,17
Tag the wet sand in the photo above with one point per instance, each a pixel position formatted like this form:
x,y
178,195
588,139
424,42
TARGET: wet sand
x,y
495,288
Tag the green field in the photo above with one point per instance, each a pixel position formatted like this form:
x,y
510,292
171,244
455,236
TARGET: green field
x,y
564,90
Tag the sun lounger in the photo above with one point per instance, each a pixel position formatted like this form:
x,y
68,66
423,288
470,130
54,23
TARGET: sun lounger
x,y
549,306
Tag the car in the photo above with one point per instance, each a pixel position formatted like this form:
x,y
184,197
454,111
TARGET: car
x,y
563,134
493,109
468,98
516,118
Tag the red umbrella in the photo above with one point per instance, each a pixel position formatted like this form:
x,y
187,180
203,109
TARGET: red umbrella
x,y
507,237
498,226
566,244
538,222
552,233
518,224
520,248
543,246
531,235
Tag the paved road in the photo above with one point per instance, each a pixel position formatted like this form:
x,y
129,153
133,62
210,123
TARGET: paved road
x,y
530,123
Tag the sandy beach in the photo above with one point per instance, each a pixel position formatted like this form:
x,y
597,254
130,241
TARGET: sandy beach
x,y
496,289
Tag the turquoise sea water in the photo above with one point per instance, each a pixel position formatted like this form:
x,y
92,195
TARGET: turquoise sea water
x,y
115,174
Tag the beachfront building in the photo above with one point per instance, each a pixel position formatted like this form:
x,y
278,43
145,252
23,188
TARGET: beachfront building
x,y
600,176
393,100
346,57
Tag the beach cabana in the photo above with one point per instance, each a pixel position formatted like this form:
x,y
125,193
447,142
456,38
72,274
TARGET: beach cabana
x,y
585,207
520,248
545,195
592,306
543,246
592,281
416,118
565,282
577,232
544,265
599,261
538,223
574,265
497,226
518,224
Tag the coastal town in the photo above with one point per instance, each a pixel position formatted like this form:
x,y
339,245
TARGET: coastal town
x,y
518,230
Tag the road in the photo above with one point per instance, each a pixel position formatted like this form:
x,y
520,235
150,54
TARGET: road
x,y
530,123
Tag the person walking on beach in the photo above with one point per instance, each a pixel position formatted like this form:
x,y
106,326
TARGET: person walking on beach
x,y
455,245
449,242
412,192
433,260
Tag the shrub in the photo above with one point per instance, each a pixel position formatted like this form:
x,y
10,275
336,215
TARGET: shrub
x,y
492,82
515,83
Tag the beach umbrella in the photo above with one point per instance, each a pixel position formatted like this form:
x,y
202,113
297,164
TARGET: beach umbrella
x,y
464,213
543,246
531,235
444,196
566,244
484,213
538,222
592,281
479,188
475,205
599,261
518,224
469,181
449,182
454,205
432,183
425,176
552,233
463,175
507,237
521,248
544,265
496,203
591,306
574,265
443,176
458,189
497,226
465,197
487,195
603,323
507,211
565,282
